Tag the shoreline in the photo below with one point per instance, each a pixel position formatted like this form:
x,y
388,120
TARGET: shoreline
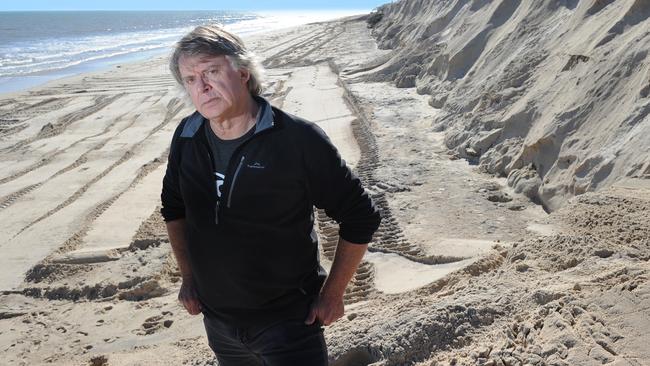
x,y
32,81
246,29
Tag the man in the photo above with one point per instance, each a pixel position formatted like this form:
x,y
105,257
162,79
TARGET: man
x,y
237,198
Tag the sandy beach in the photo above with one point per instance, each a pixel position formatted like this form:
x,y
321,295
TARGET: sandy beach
x,y
471,266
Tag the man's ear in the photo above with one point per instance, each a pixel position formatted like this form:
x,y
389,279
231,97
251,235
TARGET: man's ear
x,y
244,74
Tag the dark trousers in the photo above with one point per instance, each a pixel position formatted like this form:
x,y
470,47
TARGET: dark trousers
x,y
285,343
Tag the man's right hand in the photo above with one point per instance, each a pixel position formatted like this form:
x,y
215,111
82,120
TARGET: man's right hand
x,y
189,298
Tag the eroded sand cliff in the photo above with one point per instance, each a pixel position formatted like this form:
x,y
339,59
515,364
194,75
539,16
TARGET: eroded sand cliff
x,y
552,94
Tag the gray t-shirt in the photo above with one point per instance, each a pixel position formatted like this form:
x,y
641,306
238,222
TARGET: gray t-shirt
x,y
222,151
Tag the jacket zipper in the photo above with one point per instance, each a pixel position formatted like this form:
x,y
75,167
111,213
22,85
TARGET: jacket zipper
x,y
234,180
216,189
241,162
216,213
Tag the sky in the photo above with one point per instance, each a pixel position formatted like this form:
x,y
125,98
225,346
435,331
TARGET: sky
x,y
14,5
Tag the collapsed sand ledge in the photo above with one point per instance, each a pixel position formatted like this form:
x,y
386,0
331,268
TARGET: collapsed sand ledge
x,y
545,300
553,95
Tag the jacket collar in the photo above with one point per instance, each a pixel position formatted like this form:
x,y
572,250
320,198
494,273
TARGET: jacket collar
x,y
264,119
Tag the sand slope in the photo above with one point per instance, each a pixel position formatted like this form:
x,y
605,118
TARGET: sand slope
x,y
552,94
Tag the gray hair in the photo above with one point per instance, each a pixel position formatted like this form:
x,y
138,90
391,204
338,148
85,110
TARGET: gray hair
x,y
212,40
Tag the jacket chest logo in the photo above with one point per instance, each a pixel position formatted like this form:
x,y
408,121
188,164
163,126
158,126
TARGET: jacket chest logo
x,y
255,165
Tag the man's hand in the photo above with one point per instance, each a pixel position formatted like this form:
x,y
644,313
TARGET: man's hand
x,y
328,307
189,298
187,294
326,310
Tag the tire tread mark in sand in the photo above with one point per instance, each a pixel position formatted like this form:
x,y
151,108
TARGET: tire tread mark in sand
x,y
41,103
274,60
389,238
285,42
173,108
99,84
80,160
47,159
268,60
135,89
63,122
127,155
8,101
361,285
9,127
75,241
16,119
31,109
9,199
50,157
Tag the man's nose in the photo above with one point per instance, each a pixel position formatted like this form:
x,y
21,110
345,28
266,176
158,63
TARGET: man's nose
x,y
204,83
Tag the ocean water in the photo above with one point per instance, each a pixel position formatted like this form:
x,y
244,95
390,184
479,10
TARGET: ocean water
x,y
39,46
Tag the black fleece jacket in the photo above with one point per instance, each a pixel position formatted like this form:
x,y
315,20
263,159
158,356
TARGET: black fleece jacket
x,y
254,255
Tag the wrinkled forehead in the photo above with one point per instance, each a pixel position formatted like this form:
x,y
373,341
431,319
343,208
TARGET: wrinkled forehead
x,y
200,62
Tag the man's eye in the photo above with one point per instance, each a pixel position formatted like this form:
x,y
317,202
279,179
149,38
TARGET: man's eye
x,y
213,71
189,81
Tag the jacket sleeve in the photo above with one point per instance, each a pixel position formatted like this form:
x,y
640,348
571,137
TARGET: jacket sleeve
x,y
173,207
334,188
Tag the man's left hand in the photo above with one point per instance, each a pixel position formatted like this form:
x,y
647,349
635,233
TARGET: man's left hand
x,y
326,310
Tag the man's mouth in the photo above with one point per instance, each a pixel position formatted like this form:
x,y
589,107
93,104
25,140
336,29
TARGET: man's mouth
x,y
210,101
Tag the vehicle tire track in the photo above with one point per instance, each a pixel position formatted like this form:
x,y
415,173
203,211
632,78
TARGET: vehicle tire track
x,y
275,46
32,109
15,120
11,198
173,108
275,61
63,122
83,158
7,200
46,160
361,285
389,237
9,127
8,101
268,61
76,240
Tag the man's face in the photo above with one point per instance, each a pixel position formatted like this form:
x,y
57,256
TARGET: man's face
x,y
216,88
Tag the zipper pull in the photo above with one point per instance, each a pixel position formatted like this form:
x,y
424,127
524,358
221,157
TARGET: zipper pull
x,y
234,180
216,213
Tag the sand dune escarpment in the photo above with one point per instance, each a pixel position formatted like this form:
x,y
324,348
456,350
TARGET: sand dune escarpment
x,y
552,94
